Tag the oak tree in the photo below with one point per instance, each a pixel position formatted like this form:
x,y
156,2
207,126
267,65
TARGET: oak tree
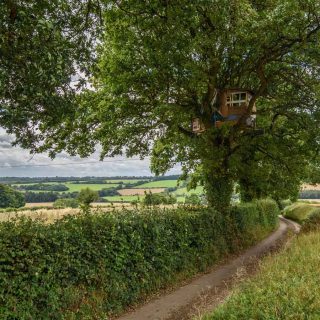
x,y
153,67
163,63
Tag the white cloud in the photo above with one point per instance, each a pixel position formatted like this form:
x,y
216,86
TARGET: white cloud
x,y
15,161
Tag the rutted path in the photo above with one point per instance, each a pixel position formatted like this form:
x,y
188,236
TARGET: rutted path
x,y
175,305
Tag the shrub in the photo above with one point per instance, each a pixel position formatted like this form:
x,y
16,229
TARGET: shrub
x,y
66,203
298,211
108,192
171,189
36,197
135,202
192,199
312,222
284,203
10,198
86,197
252,218
44,187
154,199
88,266
305,214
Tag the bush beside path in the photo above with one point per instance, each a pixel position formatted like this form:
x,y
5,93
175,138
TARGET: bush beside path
x,y
94,265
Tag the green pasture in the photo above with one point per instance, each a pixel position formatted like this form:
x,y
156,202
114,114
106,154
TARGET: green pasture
x,y
76,187
181,199
123,198
159,184
96,187
184,191
26,183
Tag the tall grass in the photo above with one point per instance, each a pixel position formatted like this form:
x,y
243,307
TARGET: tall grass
x,y
287,287
299,211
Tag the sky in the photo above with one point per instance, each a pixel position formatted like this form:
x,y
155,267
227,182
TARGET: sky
x,y
17,162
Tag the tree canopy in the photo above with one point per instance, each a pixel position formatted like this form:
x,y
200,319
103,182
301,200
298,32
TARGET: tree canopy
x,y
10,198
152,67
46,52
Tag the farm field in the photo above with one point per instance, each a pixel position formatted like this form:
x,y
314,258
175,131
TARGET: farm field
x,y
96,187
184,191
116,194
159,184
26,183
134,191
75,187
123,198
310,187
50,204
38,204
49,214
107,181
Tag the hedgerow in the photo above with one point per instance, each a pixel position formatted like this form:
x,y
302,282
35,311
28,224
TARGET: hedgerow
x,y
299,212
90,266
312,223
307,215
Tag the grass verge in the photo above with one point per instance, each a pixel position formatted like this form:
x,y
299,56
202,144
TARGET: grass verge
x,y
287,286
299,212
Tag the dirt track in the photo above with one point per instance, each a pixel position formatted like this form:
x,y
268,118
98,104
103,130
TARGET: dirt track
x,y
186,301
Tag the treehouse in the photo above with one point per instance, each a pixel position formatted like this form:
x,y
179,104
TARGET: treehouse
x,y
197,125
230,107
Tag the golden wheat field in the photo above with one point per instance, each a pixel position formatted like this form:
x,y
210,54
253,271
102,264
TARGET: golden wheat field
x,y
50,204
49,215
310,186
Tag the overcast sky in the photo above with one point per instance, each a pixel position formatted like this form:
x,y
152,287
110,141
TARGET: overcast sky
x,y
17,162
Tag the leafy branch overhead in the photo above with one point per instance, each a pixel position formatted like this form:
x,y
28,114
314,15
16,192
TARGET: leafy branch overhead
x,y
147,69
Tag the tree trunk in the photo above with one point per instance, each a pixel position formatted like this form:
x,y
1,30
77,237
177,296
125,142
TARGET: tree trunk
x,y
248,191
219,187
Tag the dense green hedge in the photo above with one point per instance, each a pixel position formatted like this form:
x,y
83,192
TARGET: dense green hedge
x,y
305,214
88,266
312,223
299,212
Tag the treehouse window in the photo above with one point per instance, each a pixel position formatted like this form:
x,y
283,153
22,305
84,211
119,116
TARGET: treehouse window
x,y
237,99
